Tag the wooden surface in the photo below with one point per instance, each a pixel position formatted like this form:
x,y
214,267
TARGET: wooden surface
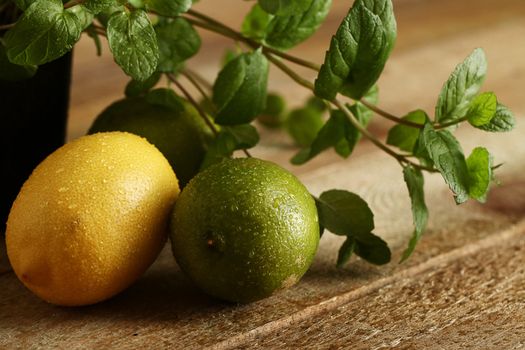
x,y
463,288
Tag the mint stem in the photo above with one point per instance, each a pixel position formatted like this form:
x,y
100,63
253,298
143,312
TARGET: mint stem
x,y
238,36
197,106
198,86
450,123
389,116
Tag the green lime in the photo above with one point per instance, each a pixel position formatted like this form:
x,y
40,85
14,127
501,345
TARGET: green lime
x,y
244,228
176,129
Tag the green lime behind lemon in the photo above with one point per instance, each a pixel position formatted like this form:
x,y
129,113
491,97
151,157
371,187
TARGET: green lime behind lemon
x,y
244,228
176,130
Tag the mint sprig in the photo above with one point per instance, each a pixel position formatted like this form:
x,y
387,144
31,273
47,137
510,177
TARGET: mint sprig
x,y
152,40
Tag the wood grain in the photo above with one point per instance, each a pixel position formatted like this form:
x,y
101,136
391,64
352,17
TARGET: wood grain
x,y
462,288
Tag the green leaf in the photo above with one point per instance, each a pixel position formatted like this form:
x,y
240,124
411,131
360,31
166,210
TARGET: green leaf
x,y
479,165
274,115
13,72
372,249
97,6
317,103
345,213
85,17
329,136
229,140
169,8
447,155
405,137
359,109
105,14
255,23
285,7
285,32
482,109
502,121
133,43
358,51
23,4
136,88
177,41
415,183
338,132
240,89
303,124
166,98
227,56
44,33
461,87
245,135
346,251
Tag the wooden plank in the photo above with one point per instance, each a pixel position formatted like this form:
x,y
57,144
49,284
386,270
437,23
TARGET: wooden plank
x,y
476,300
163,309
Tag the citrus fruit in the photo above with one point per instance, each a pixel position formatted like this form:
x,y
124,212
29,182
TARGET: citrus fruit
x,y
244,228
91,218
178,132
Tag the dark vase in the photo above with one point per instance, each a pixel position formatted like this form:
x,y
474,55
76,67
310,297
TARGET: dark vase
x,y
33,118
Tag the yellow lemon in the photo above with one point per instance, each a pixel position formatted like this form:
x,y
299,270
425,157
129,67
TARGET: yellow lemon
x,y
91,218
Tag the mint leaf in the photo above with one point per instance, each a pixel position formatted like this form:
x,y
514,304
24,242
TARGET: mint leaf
x,y
329,136
461,87
133,43
285,7
97,6
105,13
345,213
372,249
168,8
358,51
338,132
447,155
502,121
85,17
482,109
23,4
317,103
240,89
229,140
284,32
371,96
255,23
245,135
136,88
479,165
274,115
303,124
13,72
177,41
405,137
346,251
166,98
415,184
44,33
